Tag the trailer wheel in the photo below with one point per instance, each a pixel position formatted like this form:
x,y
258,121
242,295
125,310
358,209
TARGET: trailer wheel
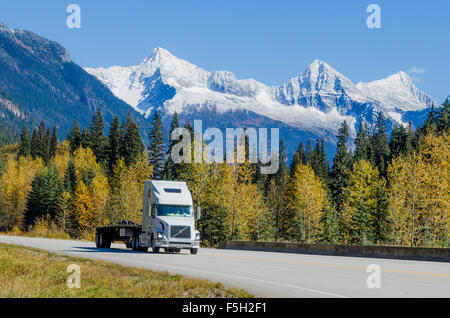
x,y
107,241
97,239
100,240
194,250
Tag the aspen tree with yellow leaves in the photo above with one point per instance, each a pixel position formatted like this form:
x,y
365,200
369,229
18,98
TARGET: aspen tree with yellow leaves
x,y
127,186
15,184
364,213
419,194
306,198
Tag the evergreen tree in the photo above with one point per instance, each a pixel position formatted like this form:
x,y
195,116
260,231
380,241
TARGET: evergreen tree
x,y
46,146
330,223
53,143
97,140
114,138
84,138
283,169
44,196
296,161
365,207
381,145
132,146
362,142
25,143
430,122
340,172
212,225
74,137
170,168
40,143
156,148
70,178
323,165
443,117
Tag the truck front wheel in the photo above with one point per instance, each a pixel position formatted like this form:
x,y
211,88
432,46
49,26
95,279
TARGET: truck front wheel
x,y
194,250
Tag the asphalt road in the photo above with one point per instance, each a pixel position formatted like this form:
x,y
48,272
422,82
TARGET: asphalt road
x,y
268,274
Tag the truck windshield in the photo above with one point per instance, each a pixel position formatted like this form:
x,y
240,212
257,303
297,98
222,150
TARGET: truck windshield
x,y
175,210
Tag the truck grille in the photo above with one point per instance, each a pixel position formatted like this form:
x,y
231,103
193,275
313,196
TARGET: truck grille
x,y
180,231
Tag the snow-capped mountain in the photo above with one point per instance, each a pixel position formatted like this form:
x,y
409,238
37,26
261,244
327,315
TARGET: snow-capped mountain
x,y
397,92
314,102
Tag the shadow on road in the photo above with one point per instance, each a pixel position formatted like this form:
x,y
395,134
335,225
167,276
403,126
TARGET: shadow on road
x,y
116,250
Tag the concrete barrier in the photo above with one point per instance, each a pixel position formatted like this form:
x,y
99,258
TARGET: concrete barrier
x,y
396,252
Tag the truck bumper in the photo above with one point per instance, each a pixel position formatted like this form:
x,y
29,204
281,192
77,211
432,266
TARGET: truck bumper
x,y
177,244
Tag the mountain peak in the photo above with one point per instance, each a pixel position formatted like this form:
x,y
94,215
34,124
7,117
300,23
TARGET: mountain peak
x,y
397,92
161,52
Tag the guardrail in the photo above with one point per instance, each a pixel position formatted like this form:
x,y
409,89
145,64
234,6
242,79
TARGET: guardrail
x,y
396,252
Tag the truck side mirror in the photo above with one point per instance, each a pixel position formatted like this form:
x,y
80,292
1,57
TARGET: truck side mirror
x,y
199,212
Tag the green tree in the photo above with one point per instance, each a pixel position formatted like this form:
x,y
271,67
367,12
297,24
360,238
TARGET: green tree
x,y
44,196
381,144
74,137
362,142
212,227
53,143
170,168
70,178
25,143
443,117
156,148
114,139
340,172
132,146
97,140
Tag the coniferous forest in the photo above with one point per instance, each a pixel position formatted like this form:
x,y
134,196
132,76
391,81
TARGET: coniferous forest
x,y
387,189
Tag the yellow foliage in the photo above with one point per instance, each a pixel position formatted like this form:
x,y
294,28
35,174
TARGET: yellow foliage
x,y
419,193
360,207
84,160
306,199
83,207
127,190
62,158
15,183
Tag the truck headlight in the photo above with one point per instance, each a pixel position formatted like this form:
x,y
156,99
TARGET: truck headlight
x,y
197,237
159,236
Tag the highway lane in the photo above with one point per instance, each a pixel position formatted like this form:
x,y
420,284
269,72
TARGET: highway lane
x,y
268,274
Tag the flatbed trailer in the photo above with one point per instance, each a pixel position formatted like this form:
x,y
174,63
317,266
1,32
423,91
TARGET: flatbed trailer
x,y
125,231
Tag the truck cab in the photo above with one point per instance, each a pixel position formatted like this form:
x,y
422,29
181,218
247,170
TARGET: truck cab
x,y
168,218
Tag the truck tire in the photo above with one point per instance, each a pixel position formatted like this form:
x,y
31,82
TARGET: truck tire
x,y
97,239
107,240
134,243
194,251
154,249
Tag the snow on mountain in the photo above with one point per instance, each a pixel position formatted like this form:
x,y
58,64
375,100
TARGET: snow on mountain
x,y
133,84
317,100
319,79
397,93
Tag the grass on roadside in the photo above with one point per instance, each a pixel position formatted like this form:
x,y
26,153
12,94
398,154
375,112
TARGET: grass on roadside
x,y
29,272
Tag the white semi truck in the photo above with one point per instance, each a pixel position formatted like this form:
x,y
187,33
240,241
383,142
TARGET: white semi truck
x,y
168,221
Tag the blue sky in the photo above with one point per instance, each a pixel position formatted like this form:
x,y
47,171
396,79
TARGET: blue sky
x,y
270,41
